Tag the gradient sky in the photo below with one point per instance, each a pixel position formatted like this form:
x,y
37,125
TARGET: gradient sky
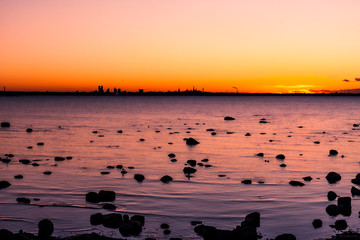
x,y
256,46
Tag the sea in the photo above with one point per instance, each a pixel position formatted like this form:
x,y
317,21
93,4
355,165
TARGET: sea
x,y
302,128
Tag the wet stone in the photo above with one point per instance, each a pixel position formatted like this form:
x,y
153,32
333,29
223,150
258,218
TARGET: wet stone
x,y
228,118
333,177
164,226
139,177
166,179
4,184
317,223
280,156
18,176
296,183
46,228
23,200
246,181
47,173
5,124
331,196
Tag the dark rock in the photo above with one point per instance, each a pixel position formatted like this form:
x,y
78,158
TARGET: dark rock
x,y
356,180
104,173
355,191
141,140
5,160
253,219
296,183
58,159
92,197
173,160
112,220
210,130
164,226
40,144
96,219
282,165
18,176
138,218
200,164
260,154
221,175
5,124
285,236
23,200
331,195
119,131
307,179
110,167
10,155
227,118
35,164
130,167
119,166
191,142
213,133
166,231
25,161
332,210
29,130
246,181
47,173
355,125
340,225
29,147
171,155
191,162
205,160
109,206
139,177
107,196
123,172
333,152
248,134
189,170
46,228
194,223
333,177
4,184
166,179
317,223
316,142
344,204
69,158
125,229
126,218
6,235
280,156
208,165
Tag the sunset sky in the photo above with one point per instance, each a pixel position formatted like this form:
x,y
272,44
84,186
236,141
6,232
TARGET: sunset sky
x,y
160,45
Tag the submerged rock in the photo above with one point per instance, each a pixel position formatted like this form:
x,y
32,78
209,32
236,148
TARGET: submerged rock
x,y
296,183
285,236
23,200
191,162
109,206
246,181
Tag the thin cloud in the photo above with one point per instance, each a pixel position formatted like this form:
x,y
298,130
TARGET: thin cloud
x,y
346,80
357,79
295,86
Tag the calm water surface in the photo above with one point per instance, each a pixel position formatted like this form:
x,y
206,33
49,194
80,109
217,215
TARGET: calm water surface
x,y
65,125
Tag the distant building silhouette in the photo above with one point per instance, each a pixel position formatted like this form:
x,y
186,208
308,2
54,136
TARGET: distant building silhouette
x,y
141,90
100,89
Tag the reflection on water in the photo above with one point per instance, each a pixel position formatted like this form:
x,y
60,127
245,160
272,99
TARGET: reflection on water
x,y
86,128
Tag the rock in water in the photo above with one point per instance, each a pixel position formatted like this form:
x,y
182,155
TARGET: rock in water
x,y
166,179
333,152
333,177
46,228
107,196
340,225
317,223
191,142
139,177
331,195
296,183
189,170
4,184
92,197
280,156
228,118
5,124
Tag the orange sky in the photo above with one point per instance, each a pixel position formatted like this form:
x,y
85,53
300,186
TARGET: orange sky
x,y
160,45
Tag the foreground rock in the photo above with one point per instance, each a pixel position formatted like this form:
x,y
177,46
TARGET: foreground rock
x,y
4,184
46,228
5,124
166,179
247,230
